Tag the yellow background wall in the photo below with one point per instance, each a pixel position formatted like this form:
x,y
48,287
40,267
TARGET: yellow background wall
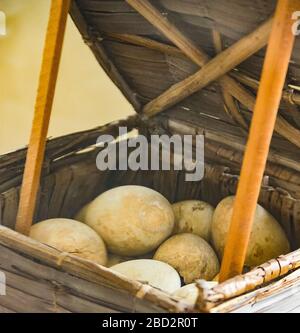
x,y
85,96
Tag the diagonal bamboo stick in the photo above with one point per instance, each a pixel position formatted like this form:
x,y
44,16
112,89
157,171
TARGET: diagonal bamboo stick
x,y
213,70
188,47
160,22
144,42
44,100
269,95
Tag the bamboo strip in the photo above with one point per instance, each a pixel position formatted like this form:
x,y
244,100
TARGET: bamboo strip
x,y
288,96
44,100
280,296
275,268
144,42
229,102
273,77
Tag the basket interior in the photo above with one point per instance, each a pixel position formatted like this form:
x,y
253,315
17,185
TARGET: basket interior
x,y
72,180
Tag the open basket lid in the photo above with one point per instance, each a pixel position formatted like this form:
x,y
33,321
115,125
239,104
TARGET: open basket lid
x,y
124,43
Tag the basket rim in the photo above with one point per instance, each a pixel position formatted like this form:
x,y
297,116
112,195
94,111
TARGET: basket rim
x,y
96,273
87,269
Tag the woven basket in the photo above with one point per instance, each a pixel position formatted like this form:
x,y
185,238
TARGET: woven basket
x,y
143,64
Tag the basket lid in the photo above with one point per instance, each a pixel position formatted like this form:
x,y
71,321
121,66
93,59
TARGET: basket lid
x,y
144,63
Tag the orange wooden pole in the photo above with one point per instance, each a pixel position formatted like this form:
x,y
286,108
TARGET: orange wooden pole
x,y
44,100
269,95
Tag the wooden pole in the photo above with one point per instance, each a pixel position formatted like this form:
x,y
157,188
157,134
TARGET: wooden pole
x,y
269,95
44,100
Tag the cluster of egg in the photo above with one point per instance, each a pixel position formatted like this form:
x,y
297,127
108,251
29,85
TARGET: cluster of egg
x,y
136,232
